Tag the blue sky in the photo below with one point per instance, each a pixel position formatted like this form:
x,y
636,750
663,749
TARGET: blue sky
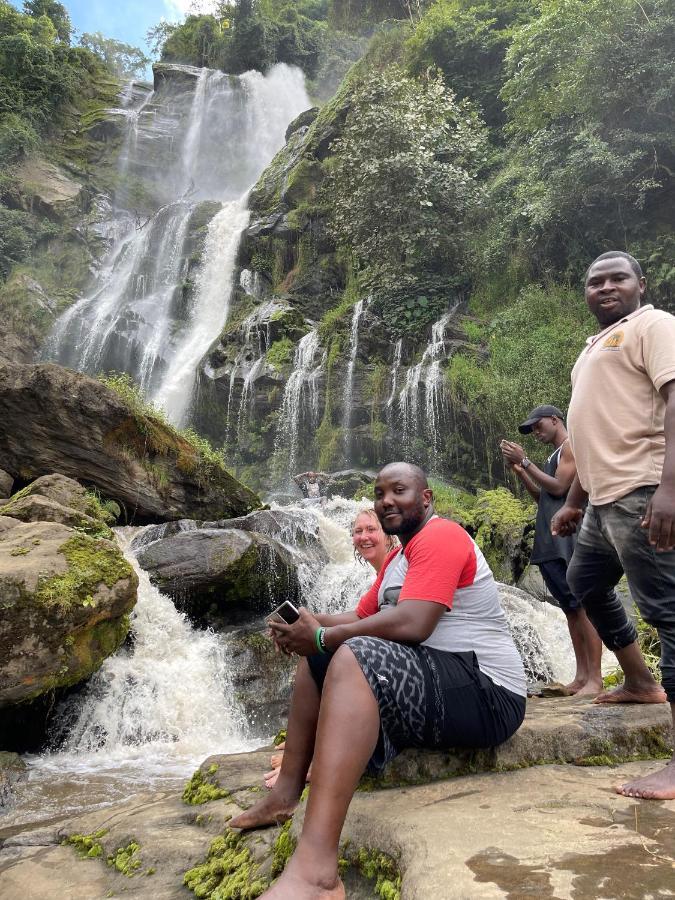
x,y
126,20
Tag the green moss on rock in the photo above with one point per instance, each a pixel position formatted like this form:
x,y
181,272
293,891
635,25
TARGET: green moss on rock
x,y
229,872
91,562
202,788
88,846
126,860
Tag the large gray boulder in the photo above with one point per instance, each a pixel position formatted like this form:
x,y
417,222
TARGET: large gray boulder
x,y
56,420
221,576
65,599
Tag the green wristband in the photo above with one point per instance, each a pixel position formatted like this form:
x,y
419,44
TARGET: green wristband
x,y
318,634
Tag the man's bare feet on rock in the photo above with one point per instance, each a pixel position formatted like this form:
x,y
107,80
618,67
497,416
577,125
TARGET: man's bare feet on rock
x,y
659,786
271,810
623,694
589,689
291,887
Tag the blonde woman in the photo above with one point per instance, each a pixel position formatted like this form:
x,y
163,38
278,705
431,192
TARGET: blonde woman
x,y
371,545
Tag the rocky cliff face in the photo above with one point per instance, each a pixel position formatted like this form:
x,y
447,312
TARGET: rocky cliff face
x,y
305,375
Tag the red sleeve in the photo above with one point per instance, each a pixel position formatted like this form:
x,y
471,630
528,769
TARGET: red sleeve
x,y
367,605
441,558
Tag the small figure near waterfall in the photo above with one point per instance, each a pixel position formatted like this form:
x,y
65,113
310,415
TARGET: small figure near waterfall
x,y
312,484
425,660
621,424
371,546
548,486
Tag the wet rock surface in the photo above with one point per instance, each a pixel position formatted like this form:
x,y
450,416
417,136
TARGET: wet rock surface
x,y
221,576
556,831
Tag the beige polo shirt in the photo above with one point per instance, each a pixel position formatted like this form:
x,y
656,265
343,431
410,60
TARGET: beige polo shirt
x,y
615,418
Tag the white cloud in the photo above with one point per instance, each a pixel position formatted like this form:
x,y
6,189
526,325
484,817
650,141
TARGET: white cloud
x,y
178,9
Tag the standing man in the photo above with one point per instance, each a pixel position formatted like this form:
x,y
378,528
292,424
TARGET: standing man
x,y
552,553
622,430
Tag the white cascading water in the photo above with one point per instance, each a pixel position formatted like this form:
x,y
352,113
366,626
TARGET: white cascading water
x,y
349,381
395,369
164,698
303,380
183,146
427,372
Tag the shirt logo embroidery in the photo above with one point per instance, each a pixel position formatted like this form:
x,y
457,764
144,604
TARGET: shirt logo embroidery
x,y
614,341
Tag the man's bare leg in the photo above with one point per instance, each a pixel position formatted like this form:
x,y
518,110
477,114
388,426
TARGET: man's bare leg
x,y
347,733
279,804
659,786
591,683
639,685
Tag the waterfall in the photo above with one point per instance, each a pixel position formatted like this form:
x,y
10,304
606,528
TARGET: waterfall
x,y
426,372
209,314
396,367
349,381
203,137
167,694
302,381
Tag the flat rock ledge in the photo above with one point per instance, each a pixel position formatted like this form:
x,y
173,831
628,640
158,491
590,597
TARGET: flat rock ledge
x,y
534,827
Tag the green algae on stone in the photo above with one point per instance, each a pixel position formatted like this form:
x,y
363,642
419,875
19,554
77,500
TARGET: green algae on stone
x,y
229,872
91,562
283,849
88,846
383,870
200,789
126,859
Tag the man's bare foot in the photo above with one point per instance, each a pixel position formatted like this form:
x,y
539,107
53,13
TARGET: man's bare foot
x,y
270,778
590,689
623,694
271,810
658,786
292,887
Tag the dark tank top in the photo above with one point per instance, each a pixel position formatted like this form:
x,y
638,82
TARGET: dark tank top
x,y
546,546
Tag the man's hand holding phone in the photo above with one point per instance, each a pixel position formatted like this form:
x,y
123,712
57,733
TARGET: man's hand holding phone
x,y
300,637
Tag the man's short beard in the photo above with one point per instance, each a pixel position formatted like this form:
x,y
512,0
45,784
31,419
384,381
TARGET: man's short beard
x,y
410,522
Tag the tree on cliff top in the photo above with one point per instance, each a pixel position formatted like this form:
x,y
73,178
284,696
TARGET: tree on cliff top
x,y
404,191
55,12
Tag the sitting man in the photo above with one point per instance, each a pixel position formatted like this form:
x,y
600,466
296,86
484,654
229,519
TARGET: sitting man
x,y
425,660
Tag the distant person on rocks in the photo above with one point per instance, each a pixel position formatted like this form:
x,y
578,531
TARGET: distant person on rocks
x,y
312,484
621,424
371,546
552,553
425,660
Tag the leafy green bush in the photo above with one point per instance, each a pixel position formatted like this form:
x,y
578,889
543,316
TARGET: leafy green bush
x,y
402,183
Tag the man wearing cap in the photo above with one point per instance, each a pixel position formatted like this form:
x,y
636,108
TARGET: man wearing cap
x,y
552,553
622,430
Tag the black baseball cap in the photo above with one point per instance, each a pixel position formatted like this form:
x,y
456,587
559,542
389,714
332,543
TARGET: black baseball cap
x,y
539,412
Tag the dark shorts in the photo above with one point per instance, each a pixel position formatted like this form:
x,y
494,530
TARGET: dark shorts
x,y
554,573
612,542
429,698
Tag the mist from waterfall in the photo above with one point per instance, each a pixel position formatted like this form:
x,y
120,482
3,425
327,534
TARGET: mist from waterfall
x,y
201,137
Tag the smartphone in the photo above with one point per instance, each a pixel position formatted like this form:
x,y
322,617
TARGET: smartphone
x,y
286,613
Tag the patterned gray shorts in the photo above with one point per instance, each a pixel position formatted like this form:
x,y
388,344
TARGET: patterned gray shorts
x,y
428,698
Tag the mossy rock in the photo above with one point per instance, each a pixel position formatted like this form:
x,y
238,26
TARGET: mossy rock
x,y
65,600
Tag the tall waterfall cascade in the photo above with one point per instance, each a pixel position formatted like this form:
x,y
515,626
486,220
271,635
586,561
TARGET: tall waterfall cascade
x,y
301,396
420,401
202,137
349,380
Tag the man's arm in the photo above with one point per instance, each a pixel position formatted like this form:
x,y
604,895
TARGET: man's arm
x,y
409,622
530,486
337,618
660,515
557,485
565,521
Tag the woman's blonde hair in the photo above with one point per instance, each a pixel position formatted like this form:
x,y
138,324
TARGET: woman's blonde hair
x,y
390,540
